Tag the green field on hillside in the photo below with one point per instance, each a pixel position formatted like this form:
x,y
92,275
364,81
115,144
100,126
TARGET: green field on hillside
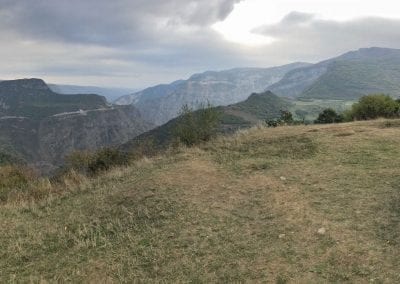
x,y
295,204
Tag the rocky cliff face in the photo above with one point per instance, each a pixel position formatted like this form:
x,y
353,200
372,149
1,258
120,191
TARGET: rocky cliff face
x,y
62,133
162,103
110,93
40,126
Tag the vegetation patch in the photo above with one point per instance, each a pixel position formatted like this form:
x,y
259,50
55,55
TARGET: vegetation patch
x,y
391,123
261,151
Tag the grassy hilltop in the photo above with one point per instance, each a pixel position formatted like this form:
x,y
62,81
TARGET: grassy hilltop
x,y
301,204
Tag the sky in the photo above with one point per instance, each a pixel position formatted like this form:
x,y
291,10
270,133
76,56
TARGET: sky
x,y
139,43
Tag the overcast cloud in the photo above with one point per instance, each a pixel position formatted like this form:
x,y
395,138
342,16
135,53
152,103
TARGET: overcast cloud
x,y
136,43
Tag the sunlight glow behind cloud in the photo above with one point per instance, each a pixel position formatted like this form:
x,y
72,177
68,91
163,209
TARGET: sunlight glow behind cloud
x,y
250,14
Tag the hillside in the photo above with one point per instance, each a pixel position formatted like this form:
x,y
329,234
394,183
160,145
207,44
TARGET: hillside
x,y
351,79
349,76
306,204
162,103
261,106
39,126
256,108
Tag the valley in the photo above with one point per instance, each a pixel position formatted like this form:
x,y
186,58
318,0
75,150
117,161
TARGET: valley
x,y
39,127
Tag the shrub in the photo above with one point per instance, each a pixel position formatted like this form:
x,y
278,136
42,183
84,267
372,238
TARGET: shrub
x,y
272,122
194,127
14,179
329,115
286,117
93,162
374,106
106,158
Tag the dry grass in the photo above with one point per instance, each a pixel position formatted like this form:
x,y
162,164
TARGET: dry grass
x,y
241,208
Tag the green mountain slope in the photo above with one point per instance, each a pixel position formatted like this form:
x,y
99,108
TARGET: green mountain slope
x,y
349,76
261,106
351,79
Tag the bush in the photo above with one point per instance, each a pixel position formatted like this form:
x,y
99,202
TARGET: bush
x,y
93,162
14,179
272,122
194,127
329,116
286,117
14,176
374,106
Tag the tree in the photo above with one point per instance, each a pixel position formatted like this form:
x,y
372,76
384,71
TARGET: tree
x,y
198,126
286,117
329,115
374,106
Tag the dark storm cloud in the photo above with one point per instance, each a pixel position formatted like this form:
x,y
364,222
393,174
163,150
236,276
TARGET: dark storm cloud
x,y
108,22
137,36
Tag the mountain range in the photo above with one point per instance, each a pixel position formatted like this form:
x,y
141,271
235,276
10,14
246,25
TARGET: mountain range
x,y
39,125
111,93
163,102
346,77
349,76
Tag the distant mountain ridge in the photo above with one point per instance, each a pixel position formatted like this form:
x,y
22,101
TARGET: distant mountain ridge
x,y
40,126
349,76
161,103
346,77
111,93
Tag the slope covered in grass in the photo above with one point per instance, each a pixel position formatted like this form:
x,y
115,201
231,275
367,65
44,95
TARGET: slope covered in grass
x,y
243,207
